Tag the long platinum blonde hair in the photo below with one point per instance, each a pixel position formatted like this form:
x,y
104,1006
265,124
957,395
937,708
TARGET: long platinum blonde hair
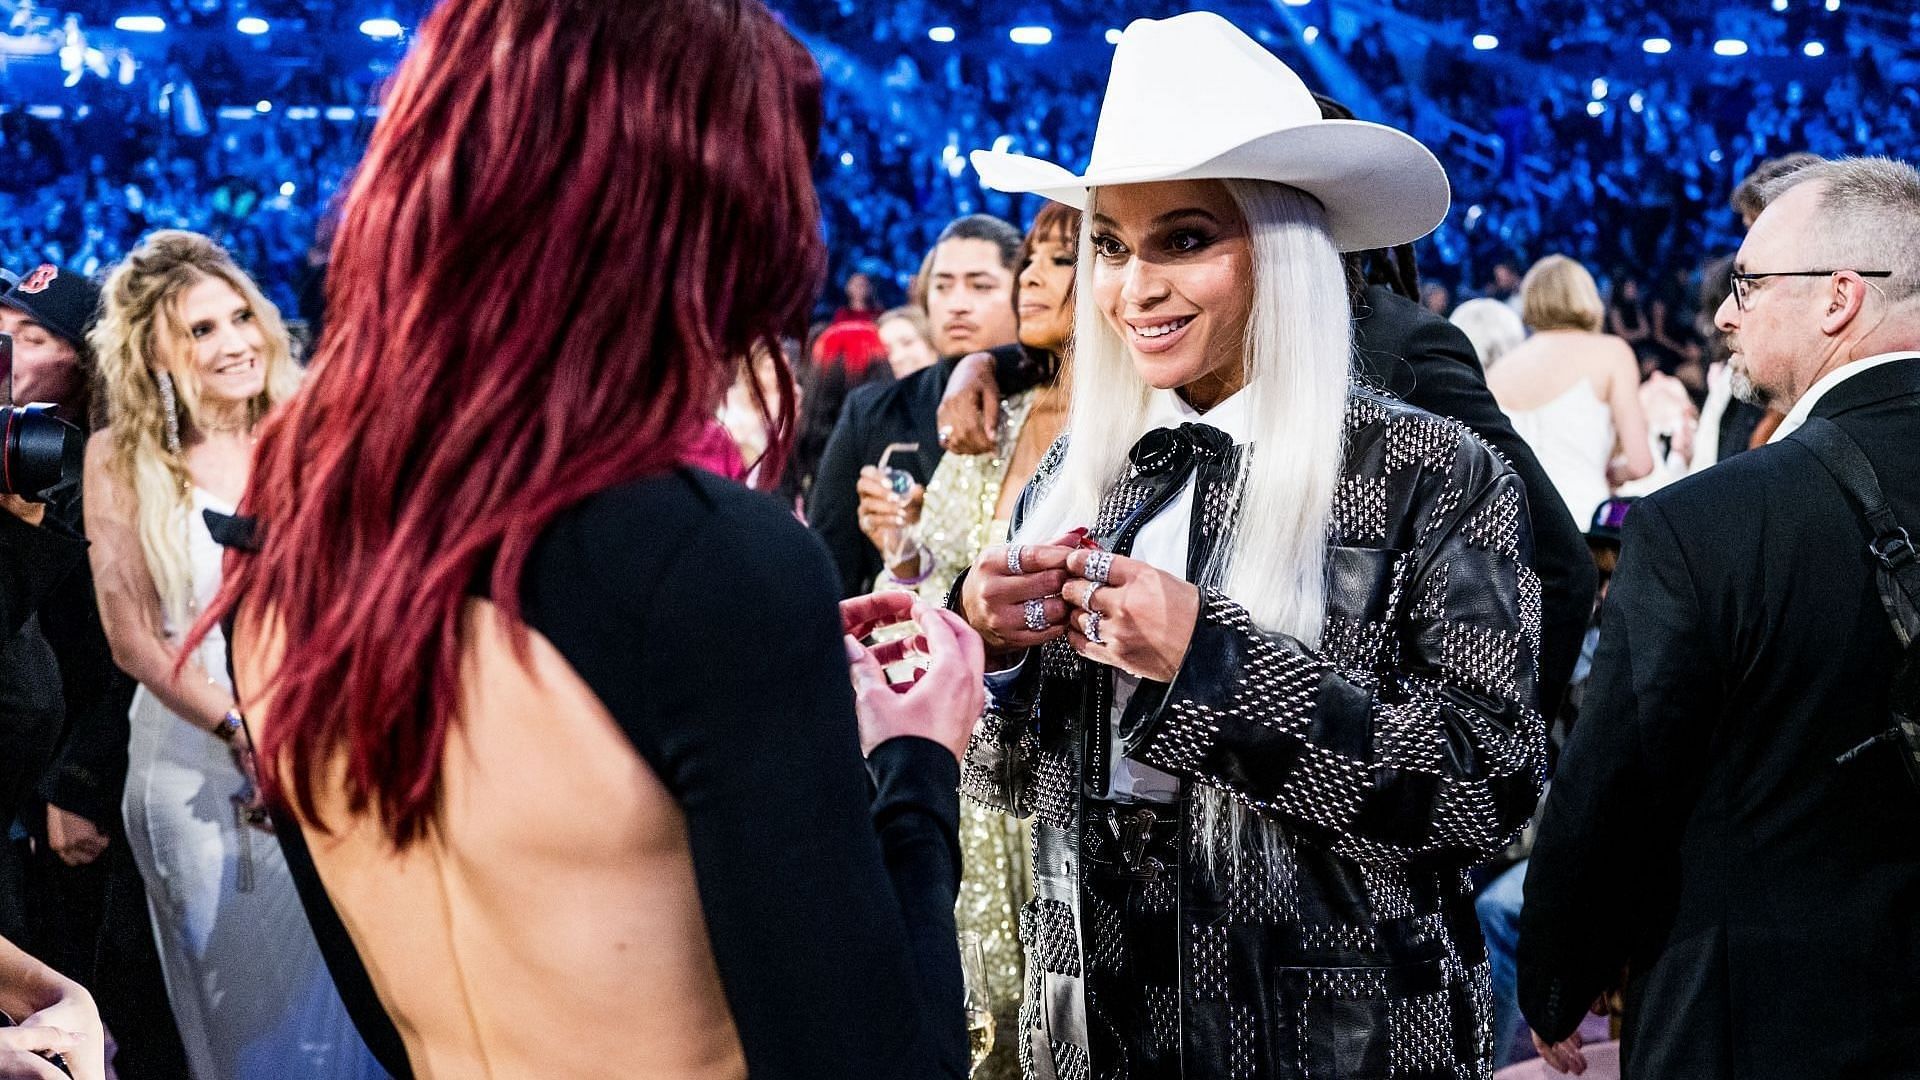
x,y
141,333
1298,359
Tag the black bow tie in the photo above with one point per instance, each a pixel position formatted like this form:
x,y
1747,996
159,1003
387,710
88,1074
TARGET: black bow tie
x,y
1166,451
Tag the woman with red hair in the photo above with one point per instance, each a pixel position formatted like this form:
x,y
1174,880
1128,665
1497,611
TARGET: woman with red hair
x,y
558,806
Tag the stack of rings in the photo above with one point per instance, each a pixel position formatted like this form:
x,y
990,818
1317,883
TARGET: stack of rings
x,y
1099,565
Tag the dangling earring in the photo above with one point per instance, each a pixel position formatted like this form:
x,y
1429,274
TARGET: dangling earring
x,y
171,405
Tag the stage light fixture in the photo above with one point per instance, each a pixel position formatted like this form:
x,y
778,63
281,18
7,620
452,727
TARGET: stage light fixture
x,y
382,29
1637,101
1814,49
1296,3
1485,42
846,158
288,189
1599,89
1595,108
1730,47
140,24
941,34
1833,5
1658,46
1030,35
252,26
1779,5
1311,34
1113,36
263,106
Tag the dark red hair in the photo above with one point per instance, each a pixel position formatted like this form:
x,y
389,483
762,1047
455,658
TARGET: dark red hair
x,y
571,223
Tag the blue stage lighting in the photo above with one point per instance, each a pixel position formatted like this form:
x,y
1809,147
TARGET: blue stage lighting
x,y
941,34
140,24
1814,48
1730,47
1113,36
385,29
1030,35
252,26
1484,42
1658,46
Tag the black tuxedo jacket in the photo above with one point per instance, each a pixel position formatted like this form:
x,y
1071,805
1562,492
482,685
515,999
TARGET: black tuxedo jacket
x,y
1427,362
1701,832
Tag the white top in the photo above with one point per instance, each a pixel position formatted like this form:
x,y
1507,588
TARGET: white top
x,y
1573,437
1162,544
1804,407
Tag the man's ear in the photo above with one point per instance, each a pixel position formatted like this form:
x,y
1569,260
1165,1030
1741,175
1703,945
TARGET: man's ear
x,y
1846,296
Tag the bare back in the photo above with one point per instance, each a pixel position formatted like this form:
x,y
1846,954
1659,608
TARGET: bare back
x,y
549,924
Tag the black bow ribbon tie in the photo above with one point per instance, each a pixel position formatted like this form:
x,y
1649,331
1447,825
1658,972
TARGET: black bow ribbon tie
x,y
1163,451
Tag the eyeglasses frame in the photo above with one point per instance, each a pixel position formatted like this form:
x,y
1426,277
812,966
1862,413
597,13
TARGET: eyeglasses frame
x,y
1737,277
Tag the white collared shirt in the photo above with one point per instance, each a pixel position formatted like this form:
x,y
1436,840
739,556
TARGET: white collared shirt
x,y
1163,543
1804,407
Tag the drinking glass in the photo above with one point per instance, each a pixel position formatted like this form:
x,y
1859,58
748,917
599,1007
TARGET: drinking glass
x,y
979,1004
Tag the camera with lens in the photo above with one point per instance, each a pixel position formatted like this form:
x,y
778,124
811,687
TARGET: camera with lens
x,y
40,453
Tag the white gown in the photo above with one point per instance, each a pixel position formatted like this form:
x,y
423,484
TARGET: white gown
x,y
249,990
1573,437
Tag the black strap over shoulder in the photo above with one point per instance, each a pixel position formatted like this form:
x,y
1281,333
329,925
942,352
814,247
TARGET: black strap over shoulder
x,y
1891,545
1897,578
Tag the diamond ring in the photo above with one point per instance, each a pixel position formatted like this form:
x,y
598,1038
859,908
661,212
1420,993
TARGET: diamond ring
x,y
1093,628
1036,614
1013,560
1099,565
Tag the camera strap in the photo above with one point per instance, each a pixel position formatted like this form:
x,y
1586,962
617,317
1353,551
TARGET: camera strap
x,y
1896,578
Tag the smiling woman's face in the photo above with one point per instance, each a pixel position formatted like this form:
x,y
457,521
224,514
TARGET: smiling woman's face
x,y
229,346
1173,275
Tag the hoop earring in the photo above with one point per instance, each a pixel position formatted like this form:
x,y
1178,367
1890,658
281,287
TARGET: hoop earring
x,y
171,406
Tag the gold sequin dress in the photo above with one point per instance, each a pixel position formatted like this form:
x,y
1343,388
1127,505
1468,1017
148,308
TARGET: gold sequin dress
x,y
956,523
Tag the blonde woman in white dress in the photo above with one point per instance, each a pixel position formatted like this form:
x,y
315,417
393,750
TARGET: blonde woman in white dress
x,y
192,356
1573,392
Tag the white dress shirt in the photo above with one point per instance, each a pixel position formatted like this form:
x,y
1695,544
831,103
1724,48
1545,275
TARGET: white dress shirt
x,y
1804,407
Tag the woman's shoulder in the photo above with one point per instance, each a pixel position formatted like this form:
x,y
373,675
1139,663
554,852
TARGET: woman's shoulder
x,y
1391,441
684,506
674,528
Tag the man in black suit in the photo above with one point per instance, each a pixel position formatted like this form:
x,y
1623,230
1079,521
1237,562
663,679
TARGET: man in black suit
x,y
969,309
1709,831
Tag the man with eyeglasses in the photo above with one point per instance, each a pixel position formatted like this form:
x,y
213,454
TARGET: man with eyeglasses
x,y
1730,825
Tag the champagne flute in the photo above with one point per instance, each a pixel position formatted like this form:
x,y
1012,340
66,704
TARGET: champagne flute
x,y
979,1004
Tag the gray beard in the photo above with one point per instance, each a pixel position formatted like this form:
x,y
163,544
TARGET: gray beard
x,y
1744,389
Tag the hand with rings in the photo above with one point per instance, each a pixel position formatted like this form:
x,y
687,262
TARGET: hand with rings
x,y
1127,614
1012,596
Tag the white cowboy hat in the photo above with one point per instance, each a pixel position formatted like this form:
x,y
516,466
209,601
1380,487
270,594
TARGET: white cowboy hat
x,y
1192,97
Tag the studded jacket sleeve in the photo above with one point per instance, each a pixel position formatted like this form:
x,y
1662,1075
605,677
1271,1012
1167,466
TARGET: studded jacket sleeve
x,y
1420,742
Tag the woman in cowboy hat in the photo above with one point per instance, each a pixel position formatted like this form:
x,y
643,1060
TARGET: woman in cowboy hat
x,y
1266,639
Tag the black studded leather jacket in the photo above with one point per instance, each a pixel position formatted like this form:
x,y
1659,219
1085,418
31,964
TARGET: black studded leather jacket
x,y
1383,763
